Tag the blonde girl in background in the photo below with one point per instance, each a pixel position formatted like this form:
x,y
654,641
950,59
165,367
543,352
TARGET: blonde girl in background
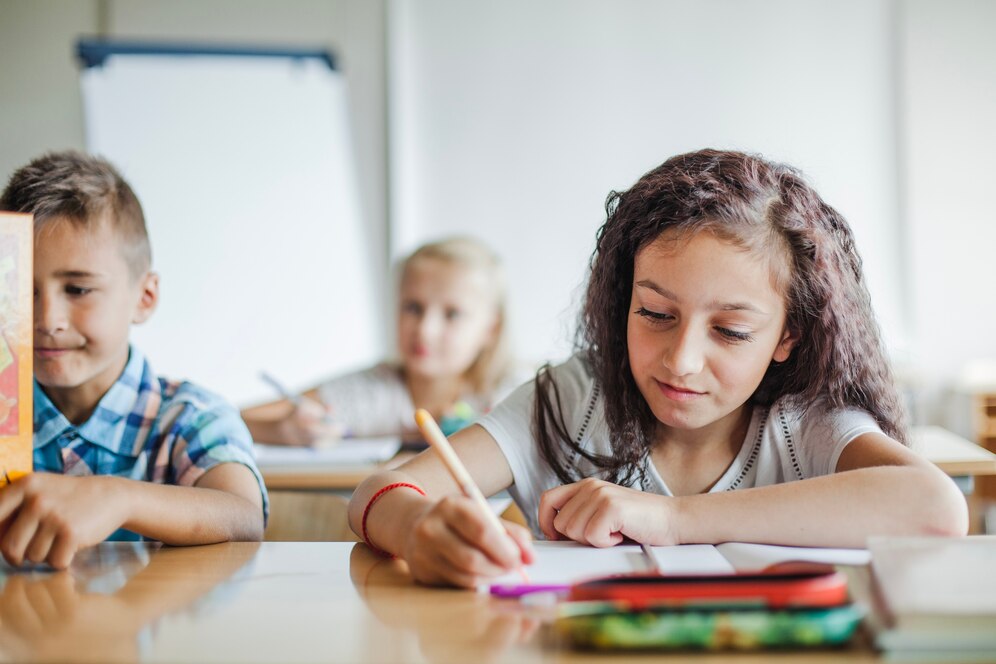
x,y
454,359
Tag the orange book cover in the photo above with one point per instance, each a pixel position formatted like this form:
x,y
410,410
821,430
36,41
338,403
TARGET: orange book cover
x,y
16,275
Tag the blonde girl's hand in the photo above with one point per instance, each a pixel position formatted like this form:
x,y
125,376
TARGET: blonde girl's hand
x,y
602,514
453,543
310,423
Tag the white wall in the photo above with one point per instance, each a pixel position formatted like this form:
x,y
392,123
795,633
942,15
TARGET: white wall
x,y
949,104
352,29
40,107
41,110
514,120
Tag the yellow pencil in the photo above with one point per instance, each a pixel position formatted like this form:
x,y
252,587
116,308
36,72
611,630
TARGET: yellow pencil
x,y
11,476
435,437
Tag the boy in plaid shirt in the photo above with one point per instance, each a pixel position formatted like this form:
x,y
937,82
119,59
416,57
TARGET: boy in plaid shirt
x,y
120,452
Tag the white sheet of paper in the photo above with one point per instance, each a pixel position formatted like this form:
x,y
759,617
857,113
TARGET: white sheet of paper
x,y
569,562
747,557
692,559
348,452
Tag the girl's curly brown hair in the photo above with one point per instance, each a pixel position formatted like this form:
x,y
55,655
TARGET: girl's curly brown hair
x,y
839,359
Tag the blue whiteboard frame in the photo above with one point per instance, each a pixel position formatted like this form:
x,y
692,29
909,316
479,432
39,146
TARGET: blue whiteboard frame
x,y
95,52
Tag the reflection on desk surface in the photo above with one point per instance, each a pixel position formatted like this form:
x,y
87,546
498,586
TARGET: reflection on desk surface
x,y
272,602
101,609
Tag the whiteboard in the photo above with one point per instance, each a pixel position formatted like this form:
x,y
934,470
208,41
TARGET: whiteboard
x,y
244,167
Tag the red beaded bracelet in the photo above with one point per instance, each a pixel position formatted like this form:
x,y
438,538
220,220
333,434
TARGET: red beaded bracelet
x,y
366,512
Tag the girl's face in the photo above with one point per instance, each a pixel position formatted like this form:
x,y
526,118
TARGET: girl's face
x,y
448,315
705,322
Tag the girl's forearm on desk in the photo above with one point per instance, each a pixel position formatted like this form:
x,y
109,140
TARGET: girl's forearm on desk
x,y
391,517
837,510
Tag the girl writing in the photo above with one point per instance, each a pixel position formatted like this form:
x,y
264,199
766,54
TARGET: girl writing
x,y
454,359
730,385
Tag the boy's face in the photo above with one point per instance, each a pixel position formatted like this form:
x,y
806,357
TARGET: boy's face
x,y
85,299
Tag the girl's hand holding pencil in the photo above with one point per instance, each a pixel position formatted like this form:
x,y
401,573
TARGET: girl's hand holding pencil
x,y
452,543
459,540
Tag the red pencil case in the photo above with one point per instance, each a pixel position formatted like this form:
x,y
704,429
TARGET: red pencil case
x,y
784,586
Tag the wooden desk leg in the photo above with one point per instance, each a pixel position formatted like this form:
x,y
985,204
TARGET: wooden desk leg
x,y
985,427
985,485
981,515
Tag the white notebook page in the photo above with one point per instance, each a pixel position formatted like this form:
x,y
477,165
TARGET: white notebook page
x,y
566,563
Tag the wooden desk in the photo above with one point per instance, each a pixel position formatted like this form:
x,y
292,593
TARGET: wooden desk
x,y
279,602
952,453
320,479
325,477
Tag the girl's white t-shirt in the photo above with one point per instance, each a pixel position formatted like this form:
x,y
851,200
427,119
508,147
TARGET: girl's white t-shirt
x,y
781,445
376,401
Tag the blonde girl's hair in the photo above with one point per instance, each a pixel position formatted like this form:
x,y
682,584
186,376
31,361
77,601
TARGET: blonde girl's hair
x,y
493,365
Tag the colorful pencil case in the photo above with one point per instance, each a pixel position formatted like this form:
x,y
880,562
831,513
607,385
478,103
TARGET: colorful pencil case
x,y
717,629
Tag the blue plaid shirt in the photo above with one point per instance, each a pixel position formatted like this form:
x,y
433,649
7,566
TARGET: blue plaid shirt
x,y
144,428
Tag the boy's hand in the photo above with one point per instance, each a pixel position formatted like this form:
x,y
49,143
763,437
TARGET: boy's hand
x,y
48,518
453,544
602,514
309,423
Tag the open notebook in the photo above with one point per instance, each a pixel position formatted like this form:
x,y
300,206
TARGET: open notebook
x,y
565,563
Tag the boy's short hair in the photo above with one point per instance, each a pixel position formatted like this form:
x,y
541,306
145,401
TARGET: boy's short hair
x,y
86,190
